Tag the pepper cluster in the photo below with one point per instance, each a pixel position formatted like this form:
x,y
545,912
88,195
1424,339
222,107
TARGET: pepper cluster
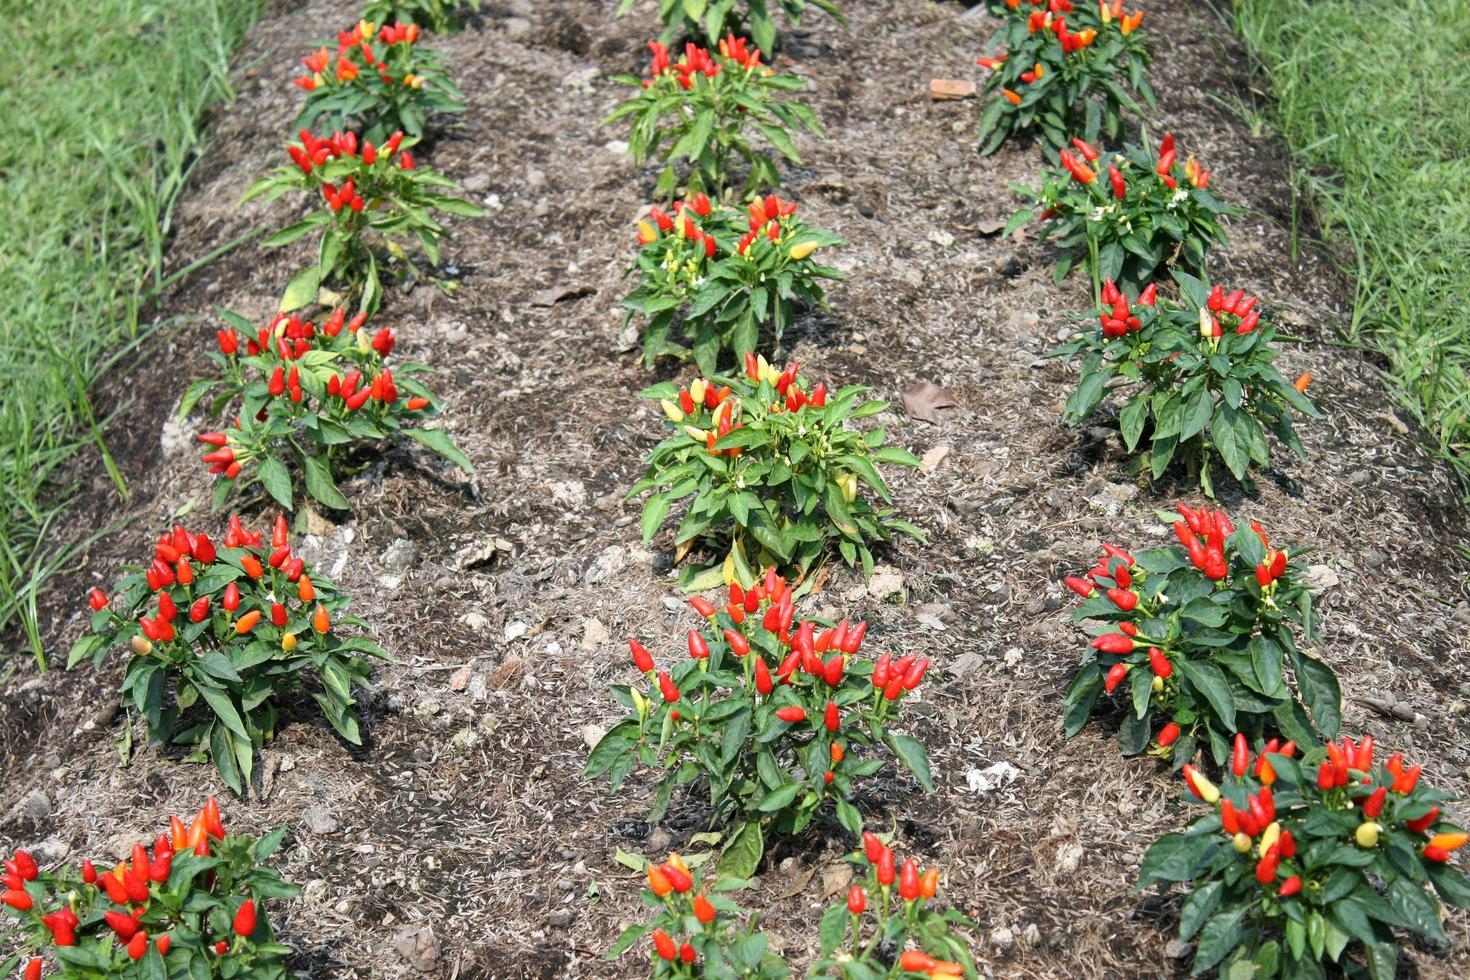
x,y
1198,376
893,896
1150,214
1117,318
187,905
789,482
705,108
292,405
395,86
719,275
778,712
231,628
1062,70
1291,849
1213,622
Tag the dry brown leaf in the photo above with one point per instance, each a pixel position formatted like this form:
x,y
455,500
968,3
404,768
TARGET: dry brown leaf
x,y
925,400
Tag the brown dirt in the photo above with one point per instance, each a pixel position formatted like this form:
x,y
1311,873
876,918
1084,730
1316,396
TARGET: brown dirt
x,y
490,843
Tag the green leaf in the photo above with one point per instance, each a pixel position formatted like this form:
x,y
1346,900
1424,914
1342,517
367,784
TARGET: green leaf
x,y
319,482
301,290
1210,682
910,752
778,799
742,856
655,509
1219,936
276,479
439,441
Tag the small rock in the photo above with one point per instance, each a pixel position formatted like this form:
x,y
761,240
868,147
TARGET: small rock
x,y
1002,938
1320,578
1069,858
517,27
944,89
476,183
36,805
461,678
1031,935
606,565
516,630
620,147
592,734
886,582
1176,950
594,634
417,945
478,687
173,438
318,820
581,78
475,621
559,919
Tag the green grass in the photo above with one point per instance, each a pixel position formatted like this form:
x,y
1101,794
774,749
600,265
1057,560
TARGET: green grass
x,y
1374,100
100,121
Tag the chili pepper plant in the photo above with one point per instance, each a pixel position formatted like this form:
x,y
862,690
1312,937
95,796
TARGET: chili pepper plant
x,y
312,394
868,934
440,16
1126,216
696,931
773,472
714,19
192,905
1198,642
703,109
1297,859
376,91
373,200
771,717
1060,70
1197,374
715,277
218,634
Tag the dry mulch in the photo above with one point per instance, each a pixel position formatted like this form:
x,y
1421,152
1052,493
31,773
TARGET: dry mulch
x,y
467,845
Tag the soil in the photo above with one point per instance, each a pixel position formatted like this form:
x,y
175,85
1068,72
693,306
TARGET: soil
x,y
468,845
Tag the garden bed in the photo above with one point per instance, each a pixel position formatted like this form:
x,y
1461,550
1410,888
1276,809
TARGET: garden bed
x,y
507,597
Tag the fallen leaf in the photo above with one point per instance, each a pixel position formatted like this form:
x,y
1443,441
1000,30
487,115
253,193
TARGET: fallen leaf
x,y
933,457
945,89
556,294
925,400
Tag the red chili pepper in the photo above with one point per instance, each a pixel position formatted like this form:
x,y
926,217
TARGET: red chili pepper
x,y
917,961
702,606
1120,189
1240,757
1421,824
885,868
245,918
1123,599
17,899
698,648
763,683
1168,735
1160,663
33,968
857,900
1115,643
1116,675
791,714
1266,868
664,946
1290,887
1363,757
667,688
1373,805
832,718
642,659
703,910
1081,586
124,925
1405,784
908,881
138,945
1229,821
